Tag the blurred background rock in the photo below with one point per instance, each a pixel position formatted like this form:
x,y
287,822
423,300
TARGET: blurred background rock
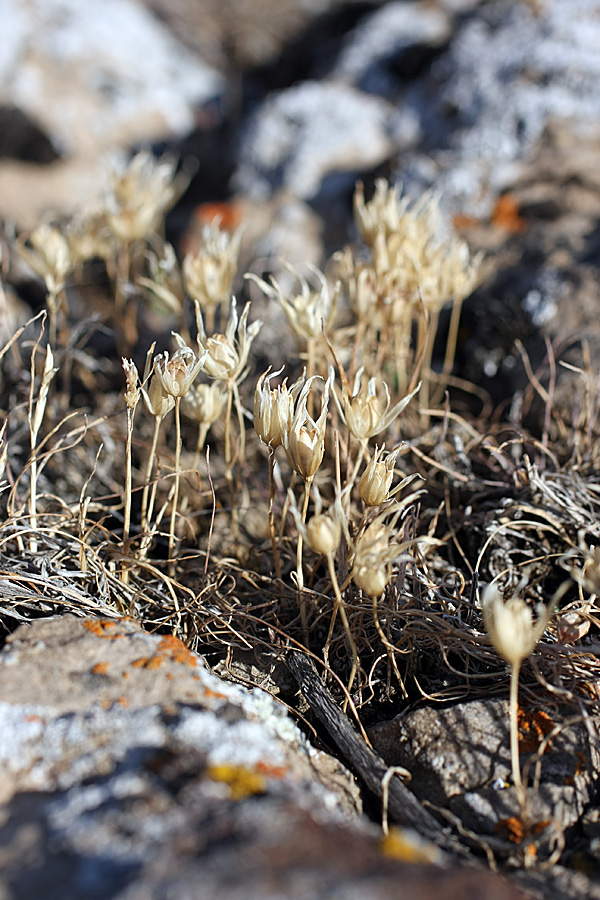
x,y
276,107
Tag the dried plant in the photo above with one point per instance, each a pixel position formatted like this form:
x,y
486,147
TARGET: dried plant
x,y
132,396
367,559
514,634
208,274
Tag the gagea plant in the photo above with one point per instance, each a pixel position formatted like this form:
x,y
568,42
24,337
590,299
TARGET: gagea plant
x,y
354,521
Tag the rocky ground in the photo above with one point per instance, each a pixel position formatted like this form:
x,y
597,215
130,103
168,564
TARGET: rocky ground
x,y
129,768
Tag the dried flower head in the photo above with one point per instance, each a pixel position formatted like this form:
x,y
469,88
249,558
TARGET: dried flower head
x,y
89,237
208,274
273,407
205,403
226,354
375,550
366,411
382,214
413,257
376,481
177,373
304,441
158,402
362,286
171,379
132,390
510,623
309,310
164,283
323,531
140,194
49,255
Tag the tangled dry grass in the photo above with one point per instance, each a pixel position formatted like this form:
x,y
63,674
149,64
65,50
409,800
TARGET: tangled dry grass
x,y
357,520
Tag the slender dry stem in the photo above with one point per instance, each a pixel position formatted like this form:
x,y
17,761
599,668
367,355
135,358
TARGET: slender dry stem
x,y
175,487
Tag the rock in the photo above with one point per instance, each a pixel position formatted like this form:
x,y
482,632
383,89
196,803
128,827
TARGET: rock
x,y
21,138
111,678
96,77
399,36
510,72
459,758
130,771
95,80
313,131
206,26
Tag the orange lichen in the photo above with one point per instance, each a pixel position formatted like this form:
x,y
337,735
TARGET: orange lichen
x,y
226,214
242,782
170,648
148,662
271,771
506,214
108,703
402,845
100,668
534,726
99,627
513,829
177,651
461,221
213,695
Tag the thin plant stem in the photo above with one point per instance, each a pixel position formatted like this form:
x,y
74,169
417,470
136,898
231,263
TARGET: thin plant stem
x,y
299,571
146,514
35,419
229,460
514,739
203,430
228,432
276,559
430,333
52,306
341,608
175,487
310,371
286,504
300,544
127,502
240,416
357,465
452,339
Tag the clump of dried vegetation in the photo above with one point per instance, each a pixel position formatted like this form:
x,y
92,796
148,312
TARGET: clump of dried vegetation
x,y
349,505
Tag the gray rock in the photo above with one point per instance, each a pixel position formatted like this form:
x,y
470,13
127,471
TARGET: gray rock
x,y
390,33
96,79
313,130
106,75
511,70
459,757
130,771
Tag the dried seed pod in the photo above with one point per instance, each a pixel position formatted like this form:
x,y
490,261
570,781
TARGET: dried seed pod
x,y
208,274
304,442
510,624
308,311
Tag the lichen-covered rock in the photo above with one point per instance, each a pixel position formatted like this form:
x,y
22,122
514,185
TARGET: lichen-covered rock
x,y
459,758
315,130
129,771
96,79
